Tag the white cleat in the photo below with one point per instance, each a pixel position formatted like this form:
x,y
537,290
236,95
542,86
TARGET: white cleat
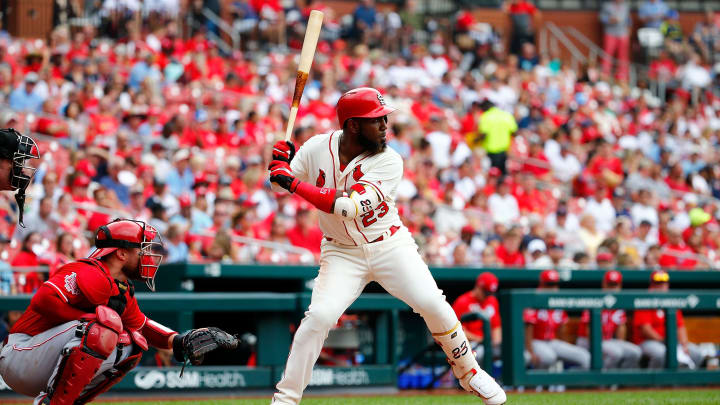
x,y
481,384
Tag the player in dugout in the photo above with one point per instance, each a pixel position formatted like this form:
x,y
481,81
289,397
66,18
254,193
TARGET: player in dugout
x,y
84,331
541,332
617,351
352,177
481,299
649,331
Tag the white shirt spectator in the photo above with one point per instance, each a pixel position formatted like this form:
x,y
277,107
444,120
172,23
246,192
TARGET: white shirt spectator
x,y
567,231
640,212
504,209
565,168
604,213
440,143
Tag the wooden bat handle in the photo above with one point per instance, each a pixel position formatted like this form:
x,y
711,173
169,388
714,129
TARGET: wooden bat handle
x,y
312,34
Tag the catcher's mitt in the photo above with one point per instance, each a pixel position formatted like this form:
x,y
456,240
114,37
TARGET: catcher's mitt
x,y
195,343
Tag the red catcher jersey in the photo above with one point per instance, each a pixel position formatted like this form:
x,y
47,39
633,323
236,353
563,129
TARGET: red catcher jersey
x,y
546,322
610,320
84,286
318,162
656,319
468,303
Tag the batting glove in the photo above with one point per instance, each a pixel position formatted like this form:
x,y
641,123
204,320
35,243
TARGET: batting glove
x,y
283,151
282,175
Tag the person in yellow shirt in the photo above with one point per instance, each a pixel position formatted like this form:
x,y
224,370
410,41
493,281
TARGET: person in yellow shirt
x,y
494,134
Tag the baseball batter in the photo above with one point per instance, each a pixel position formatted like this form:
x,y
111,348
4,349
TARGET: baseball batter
x,y
84,330
352,178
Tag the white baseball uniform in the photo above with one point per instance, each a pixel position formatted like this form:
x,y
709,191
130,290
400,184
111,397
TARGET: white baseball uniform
x,y
373,247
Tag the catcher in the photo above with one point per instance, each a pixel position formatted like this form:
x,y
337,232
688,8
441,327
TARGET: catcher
x,y
83,331
15,173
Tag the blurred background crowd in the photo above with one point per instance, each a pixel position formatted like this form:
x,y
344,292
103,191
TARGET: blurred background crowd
x,y
513,157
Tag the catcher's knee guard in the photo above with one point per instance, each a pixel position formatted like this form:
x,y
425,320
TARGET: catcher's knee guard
x,y
81,363
114,375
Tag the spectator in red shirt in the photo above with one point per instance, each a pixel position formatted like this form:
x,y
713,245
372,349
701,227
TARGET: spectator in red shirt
x,y
605,166
508,252
649,330
28,282
676,254
481,299
541,327
522,13
49,123
305,233
617,351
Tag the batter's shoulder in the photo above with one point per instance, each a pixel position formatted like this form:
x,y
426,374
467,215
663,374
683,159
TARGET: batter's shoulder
x,y
389,155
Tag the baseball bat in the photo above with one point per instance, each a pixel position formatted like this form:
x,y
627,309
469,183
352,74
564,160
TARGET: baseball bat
x,y
312,33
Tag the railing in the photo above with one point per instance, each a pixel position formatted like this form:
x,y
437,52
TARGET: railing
x,y
223,26
550,35
513,302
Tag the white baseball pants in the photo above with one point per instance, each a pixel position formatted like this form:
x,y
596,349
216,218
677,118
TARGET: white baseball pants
x,y
344,271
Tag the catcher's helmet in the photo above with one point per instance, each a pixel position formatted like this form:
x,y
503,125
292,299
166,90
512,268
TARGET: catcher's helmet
x,y
128,234
487,281
18,148
363,102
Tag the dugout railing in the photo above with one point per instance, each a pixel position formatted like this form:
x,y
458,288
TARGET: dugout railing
x,y
514,302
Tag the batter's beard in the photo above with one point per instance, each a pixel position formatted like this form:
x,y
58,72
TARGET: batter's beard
x,y
370,146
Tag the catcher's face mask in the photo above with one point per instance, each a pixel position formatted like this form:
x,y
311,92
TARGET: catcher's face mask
x,y
129,234
21,150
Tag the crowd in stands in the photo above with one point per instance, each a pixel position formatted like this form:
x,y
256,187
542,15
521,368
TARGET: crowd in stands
x,y
511,159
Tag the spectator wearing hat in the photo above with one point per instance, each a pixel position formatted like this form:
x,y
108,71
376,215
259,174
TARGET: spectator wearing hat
x,y
494,134
162,196
201,221
538,257
556,253
481,299
184,217
26,97
563,224
649,330
605,260
617,351
541,332
644,237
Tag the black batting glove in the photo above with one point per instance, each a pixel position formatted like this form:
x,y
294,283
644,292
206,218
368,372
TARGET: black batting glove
x,y
282,175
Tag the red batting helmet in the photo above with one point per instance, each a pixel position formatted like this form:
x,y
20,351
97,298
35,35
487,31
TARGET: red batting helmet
x,y
612,277
128,234
487,281
549,277
363,102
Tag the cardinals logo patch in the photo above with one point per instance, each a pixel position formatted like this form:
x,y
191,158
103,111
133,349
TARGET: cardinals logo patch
x,y
320,179
357,173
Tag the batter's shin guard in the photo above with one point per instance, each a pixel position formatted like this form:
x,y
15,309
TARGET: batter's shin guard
x,y
112,377
82,363
465,367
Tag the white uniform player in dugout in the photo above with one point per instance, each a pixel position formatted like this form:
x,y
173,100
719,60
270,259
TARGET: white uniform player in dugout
x,y
352,178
